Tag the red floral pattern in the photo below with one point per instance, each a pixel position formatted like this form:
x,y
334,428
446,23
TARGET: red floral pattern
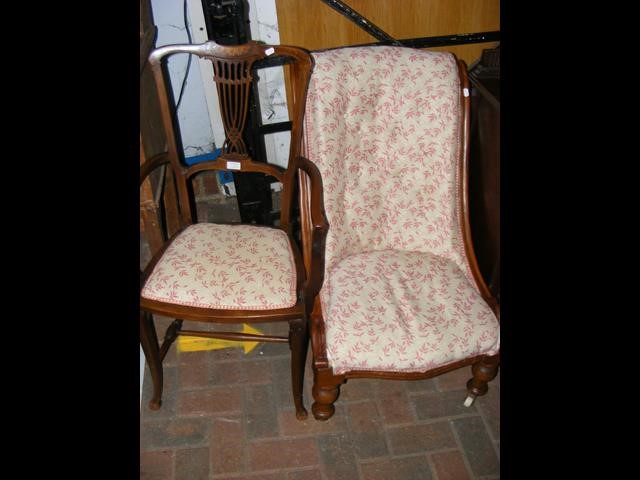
x,y
403,311
382,125
226,267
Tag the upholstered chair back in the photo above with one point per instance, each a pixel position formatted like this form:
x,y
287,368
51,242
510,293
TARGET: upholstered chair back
x,y
383,126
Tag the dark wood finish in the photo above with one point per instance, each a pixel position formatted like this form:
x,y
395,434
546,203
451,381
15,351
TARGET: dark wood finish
x,y
159,216
232,66
149,342
151,223
326,386
484,188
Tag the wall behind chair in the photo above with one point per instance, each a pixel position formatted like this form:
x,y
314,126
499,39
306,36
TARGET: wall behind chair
x,y
195,124
201,127
314,25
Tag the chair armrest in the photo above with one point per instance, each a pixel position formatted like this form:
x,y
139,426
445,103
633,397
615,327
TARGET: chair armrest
x,y
314,227
150,165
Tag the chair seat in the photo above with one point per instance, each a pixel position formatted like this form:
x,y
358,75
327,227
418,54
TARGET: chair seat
x,y
403,311
230,267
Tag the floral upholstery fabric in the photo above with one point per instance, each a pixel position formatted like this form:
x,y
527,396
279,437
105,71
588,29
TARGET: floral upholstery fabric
x,y
226,267
403,312
383,126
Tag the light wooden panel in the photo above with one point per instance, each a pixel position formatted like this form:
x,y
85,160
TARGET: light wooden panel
x,y
314,25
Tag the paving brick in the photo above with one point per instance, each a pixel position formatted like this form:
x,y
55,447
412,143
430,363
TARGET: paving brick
x,y
280,454
228,447
313,474
477,446
156,465
268,349
225,355
210,401
255,476
420,438
489,407
281,378
291,426
357,389
262,414
175,432
226,373
192,464
427,385
450,466
193,359
441,404
338,457
413,468
366,430
393,402
193,376
240,372
454,380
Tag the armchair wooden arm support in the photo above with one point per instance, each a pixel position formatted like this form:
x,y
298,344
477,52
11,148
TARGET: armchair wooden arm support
x,y
465,120
237,163
317,337
314,227
150,165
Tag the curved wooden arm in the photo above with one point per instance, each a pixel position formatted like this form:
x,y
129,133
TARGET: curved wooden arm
x,y
314,226
318,337
464,191
150,165
244,164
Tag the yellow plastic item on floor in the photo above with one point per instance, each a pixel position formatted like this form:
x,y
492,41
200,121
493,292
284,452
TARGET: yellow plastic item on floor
x,y
197,344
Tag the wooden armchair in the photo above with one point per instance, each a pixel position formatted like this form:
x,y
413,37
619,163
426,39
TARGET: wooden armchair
x,y
402,297
230,274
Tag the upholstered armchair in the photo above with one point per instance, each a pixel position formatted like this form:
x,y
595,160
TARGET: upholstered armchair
x,y
225,273
402,298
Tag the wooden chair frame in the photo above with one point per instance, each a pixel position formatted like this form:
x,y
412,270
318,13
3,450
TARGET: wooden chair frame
x,y
232,66
326,386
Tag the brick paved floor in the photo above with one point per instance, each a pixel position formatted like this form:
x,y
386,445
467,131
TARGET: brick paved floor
x,y
227,415
230,415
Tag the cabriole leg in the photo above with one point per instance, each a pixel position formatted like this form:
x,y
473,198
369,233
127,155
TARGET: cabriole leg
x,y
298,342
149,342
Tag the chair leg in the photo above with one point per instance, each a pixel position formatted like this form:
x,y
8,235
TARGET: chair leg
x,y
298,342
169,337
149,341
326,389
483,372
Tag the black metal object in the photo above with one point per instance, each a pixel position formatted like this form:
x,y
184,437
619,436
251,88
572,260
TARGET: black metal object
x,y
227,21
419,42
364,23
446,40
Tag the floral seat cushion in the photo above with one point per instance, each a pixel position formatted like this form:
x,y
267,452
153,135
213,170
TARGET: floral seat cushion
x,y
403,312
226,267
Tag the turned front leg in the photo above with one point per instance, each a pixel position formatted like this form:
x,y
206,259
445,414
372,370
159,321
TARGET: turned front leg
x,y
483,372
326,390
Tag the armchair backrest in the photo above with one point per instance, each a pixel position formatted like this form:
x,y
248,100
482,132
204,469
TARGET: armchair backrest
x,y
233,73
386,126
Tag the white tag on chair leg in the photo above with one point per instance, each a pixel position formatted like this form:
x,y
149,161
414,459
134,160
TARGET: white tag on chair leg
x,y
233,165
465,92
